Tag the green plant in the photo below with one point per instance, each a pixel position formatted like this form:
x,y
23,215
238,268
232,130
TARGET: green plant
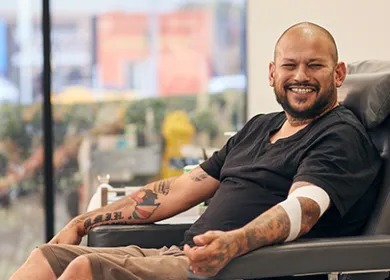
x,y
205,122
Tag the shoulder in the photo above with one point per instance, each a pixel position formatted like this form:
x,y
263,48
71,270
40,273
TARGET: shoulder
x,y
260,120
343,115
342,123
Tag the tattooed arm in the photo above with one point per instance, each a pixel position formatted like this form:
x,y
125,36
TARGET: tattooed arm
x,y
156,201
273,226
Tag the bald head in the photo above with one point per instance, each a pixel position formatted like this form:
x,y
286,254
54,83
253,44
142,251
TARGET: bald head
x,y
310,31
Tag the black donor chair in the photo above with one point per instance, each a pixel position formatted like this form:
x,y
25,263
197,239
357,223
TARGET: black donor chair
x,y
367,91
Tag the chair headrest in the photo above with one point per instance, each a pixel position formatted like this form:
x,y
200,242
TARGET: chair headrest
x,y
367,91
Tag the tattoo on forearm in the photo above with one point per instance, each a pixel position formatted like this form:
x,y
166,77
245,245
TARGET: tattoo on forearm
x,y
107,218
145,204
110,214
274,225
310,214
163,186
114,214
198,175
271,227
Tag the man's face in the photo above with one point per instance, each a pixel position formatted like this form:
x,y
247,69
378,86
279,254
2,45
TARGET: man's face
x,y
305,76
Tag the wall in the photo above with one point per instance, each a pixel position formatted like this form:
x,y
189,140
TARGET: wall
x,y
361,30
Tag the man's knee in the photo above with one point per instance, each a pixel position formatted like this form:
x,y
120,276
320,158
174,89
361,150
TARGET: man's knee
x,y
80,263
36,267
37,256
79,267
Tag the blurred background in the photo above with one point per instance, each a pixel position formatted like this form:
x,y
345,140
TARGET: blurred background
x,y
139,90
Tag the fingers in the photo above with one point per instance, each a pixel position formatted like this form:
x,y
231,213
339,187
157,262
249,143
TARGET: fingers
x,y
190,252
196,254
206,259
205,268
204,239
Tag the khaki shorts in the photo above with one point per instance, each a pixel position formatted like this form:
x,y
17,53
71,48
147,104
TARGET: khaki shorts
x,y
131,262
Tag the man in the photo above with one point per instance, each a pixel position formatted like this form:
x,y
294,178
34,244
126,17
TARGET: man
x,y
309,170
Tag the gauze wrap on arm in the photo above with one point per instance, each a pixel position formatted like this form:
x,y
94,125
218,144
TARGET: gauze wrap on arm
x,y
293,208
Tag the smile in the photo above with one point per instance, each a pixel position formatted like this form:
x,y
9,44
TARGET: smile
x,y
302,90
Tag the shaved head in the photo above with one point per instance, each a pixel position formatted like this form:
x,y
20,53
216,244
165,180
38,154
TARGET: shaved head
x,y
306,73
309,30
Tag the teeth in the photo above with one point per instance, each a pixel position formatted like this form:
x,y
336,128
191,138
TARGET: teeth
x,y
302,90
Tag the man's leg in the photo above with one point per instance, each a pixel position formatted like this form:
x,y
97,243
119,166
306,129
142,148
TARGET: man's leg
x,y
113,267
49,261
35,268
78,269
132,263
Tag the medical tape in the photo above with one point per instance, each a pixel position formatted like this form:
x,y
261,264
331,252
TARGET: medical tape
x,y
294,212
293,208
315,193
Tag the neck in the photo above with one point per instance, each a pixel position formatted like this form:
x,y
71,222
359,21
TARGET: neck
x,y
295,122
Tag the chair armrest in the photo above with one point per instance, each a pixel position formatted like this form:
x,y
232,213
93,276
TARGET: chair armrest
x,y
311,256
145,236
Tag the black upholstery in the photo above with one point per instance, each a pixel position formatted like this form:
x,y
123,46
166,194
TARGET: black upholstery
x,y
314,256
365,77
145,236
367,89
311,256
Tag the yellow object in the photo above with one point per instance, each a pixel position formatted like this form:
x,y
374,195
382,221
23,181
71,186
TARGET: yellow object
x,y
177,131
82,95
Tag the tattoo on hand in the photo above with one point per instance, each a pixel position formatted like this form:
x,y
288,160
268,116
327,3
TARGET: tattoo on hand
x,y
198,175
163,186
75,222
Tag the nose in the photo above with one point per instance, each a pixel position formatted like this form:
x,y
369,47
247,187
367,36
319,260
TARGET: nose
x,y
301,74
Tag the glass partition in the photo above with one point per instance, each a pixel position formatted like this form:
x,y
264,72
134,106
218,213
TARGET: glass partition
x,y
21,149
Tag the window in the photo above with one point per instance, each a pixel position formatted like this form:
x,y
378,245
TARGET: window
x,y
139,90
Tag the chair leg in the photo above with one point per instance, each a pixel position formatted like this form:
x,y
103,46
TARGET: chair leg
x,y
333,276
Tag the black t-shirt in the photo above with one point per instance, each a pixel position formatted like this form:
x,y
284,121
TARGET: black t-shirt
x,y
333,152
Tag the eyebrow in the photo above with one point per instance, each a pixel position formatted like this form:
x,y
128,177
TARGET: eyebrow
x,y
316,59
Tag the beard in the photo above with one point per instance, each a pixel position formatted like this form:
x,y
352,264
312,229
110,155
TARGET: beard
x,y
324,101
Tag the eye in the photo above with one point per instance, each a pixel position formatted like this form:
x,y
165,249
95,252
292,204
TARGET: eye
x,y
288,65
315,66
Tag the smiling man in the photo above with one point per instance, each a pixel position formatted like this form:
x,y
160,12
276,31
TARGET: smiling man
x,y
308,171
305,78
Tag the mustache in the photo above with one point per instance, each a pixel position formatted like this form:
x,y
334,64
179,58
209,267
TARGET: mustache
x,y
289,85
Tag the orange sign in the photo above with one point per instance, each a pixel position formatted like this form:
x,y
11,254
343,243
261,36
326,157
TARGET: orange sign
x,y
186,44
121,39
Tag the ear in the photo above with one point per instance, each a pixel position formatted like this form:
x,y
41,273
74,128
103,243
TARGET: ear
x,y
340,73
271,74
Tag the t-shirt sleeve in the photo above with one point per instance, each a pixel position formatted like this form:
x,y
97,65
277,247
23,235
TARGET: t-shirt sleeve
x,y
343,162
214,164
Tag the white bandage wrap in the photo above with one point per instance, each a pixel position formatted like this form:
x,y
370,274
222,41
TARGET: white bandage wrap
x,y
293,208
294,212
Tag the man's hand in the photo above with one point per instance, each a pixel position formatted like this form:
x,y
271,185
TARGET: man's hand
x,y
70,234
215,249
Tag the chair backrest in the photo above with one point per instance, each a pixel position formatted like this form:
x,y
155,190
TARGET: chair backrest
x,y
366,91
379,222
